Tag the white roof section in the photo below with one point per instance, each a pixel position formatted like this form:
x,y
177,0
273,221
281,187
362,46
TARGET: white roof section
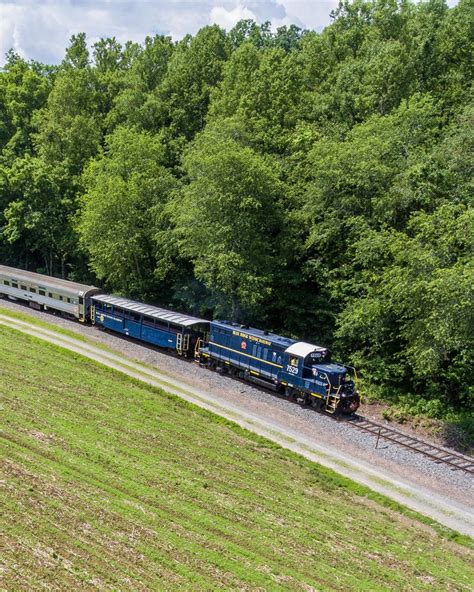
x,y
152,311
303,349
45,281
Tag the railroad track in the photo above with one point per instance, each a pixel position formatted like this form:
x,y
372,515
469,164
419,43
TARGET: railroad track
x,y
457,461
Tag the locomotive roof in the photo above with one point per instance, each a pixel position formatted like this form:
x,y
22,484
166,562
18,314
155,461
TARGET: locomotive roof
x,y
274,339
291,346
152,311
303,349
45,280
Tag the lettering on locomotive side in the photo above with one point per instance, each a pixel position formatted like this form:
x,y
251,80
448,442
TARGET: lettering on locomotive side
x,y
251,337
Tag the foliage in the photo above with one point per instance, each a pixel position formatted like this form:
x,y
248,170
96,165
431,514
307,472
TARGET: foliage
x,y
127,189
37,219
412,319
231,203
195,67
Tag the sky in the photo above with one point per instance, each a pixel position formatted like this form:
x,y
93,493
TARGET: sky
x,y
41,29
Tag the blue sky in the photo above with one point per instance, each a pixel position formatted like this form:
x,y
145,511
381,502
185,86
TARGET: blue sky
x,y
41,29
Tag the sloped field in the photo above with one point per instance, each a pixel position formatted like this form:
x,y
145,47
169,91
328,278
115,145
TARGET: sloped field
x,y
109,484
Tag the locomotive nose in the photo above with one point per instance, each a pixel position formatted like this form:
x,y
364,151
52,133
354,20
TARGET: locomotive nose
x,y
350,402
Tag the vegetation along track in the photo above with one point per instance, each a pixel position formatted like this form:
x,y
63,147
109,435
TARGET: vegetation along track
x,y
458,462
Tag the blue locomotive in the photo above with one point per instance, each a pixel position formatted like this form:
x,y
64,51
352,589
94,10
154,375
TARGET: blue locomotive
x,y
299,370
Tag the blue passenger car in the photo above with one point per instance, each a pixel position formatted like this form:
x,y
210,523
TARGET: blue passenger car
x,y
158,326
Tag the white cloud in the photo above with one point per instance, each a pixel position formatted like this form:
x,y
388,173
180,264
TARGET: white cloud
x,y
10,16
228,18
312,15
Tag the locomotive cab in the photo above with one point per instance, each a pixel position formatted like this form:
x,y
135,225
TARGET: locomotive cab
x,y
309,371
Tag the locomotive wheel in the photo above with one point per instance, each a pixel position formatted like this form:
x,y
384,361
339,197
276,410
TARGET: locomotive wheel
x,y
301,399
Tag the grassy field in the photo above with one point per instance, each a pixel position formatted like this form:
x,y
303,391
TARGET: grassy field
x,y
31,320
109,484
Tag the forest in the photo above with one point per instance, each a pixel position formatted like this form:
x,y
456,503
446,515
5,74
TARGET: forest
x,y
314,184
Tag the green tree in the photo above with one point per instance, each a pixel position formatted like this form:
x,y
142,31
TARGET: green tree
x,y
127,188
111,63
69,127
368,179
24,89
77,54
410,325
228,219
263,89
137,103
194,70
247,30
37,218
444,58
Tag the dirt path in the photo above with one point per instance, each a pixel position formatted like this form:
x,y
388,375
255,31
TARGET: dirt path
x,y
426,500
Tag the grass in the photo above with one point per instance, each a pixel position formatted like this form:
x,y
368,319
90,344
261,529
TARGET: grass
x,y
32,320
109,484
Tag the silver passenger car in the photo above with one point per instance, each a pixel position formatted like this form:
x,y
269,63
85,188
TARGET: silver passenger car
x,y
45,292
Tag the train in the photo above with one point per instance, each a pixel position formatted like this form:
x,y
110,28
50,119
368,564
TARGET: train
x,y
301,371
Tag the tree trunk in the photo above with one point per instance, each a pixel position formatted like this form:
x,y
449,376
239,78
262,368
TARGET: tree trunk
x,y
236,310
46,262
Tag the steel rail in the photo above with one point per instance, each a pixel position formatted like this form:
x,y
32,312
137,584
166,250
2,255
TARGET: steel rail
x,y
457,461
